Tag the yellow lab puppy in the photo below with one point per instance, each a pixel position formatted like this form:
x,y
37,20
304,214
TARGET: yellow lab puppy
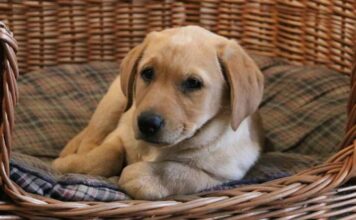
x,y
181,116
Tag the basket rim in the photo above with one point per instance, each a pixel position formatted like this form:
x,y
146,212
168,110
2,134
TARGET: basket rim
x,y
289,190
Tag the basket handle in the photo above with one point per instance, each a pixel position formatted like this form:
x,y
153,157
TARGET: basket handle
x,y
9,72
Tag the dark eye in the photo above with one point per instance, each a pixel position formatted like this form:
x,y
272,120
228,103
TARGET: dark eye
x,y
191,84
148,74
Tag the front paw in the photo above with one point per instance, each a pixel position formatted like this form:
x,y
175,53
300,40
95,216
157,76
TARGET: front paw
x,y
66,164
140,182
59,165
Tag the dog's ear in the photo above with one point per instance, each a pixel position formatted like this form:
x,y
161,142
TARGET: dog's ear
x,y
244,78
128,70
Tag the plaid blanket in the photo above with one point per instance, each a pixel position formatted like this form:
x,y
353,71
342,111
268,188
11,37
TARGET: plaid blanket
x,y
303,111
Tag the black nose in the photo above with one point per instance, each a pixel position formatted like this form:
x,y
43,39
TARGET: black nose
x,y
150,123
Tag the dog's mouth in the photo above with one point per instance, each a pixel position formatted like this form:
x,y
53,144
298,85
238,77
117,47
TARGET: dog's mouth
x,y
153,141
157,142
182,133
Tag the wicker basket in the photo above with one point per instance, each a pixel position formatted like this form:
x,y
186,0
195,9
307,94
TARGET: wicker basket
x,y
77,31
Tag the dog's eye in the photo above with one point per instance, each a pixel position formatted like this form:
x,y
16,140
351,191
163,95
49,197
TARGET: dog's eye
x,y
147,74
191,84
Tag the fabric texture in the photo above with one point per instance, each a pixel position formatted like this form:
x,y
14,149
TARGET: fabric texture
x,y
303,111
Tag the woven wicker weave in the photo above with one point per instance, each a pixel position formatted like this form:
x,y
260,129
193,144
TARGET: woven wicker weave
x,y
75,31
304,31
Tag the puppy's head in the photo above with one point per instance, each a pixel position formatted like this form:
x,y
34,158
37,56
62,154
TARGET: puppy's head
x,y
179,79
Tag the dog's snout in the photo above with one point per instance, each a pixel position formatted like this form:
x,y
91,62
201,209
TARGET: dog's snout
x,y
150,123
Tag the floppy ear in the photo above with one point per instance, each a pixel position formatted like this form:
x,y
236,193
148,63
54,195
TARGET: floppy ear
x,y
244,78
128,70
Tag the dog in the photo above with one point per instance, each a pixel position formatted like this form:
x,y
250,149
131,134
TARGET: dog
x,y
181,117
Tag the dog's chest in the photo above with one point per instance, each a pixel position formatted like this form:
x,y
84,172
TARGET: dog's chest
x,y
228,157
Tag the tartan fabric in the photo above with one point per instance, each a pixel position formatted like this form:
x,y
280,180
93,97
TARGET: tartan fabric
x,y
36,177
56,103
303,111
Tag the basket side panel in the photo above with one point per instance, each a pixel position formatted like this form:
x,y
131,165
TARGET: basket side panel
x,y
72,31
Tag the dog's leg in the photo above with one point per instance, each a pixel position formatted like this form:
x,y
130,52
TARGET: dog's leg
x,y
103,121
105,160
73,145
156,180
